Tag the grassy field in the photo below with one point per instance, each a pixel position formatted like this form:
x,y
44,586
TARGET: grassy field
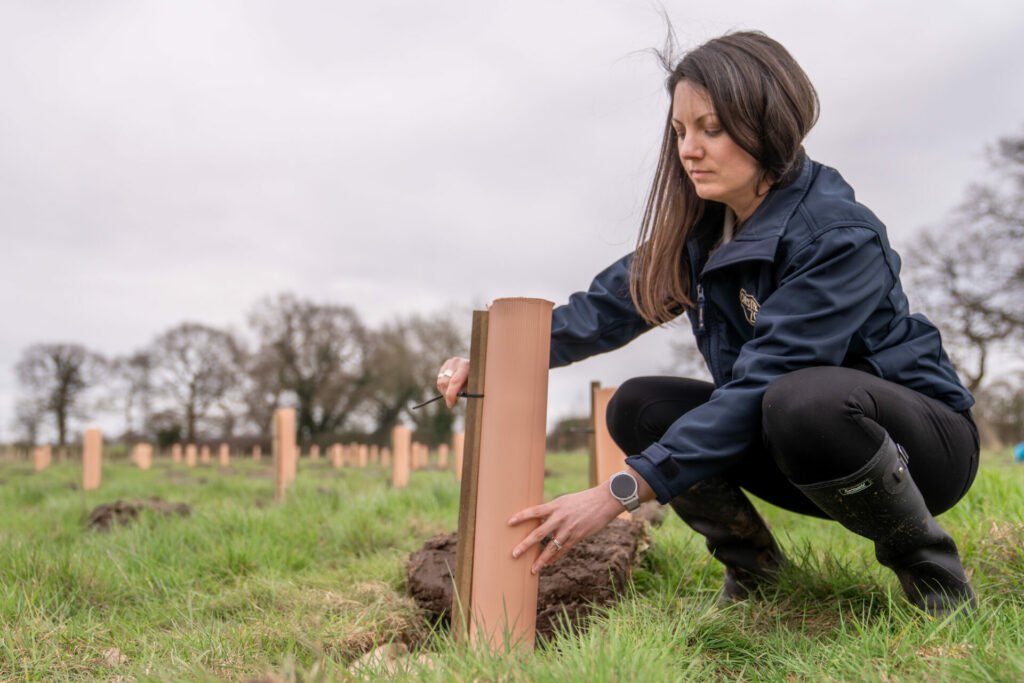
x,y
245,589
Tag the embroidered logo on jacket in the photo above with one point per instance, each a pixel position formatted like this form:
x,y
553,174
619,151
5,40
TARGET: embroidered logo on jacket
x,y
750,306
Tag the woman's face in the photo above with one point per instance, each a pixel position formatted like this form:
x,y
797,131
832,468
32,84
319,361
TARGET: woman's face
x,y
719,169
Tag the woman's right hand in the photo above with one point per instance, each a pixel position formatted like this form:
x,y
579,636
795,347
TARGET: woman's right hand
x,y
452,378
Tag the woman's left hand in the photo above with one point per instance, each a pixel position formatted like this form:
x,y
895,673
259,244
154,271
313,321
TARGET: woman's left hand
x,y
566,521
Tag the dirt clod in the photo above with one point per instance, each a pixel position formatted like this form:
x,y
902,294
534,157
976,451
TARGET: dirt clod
x,y
103,517
114,657
593,573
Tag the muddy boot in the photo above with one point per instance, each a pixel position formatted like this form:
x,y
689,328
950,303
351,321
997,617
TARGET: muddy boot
x,y
736,535
881,502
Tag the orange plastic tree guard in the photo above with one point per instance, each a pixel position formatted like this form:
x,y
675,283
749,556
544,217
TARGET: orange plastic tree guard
x,y
224,455
374,454
204,455
283,449
176,453
458,445
314,452
335,455
385,457
442,456
41,457
401,442
142,455
92,459
190,455
503,472
257,453
606,457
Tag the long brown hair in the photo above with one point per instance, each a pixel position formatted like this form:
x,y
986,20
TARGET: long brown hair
x,y
766,104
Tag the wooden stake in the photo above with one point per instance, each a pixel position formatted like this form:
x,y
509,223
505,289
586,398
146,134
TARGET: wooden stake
x,y
606,456
92,459
401,439
458,445
503,472
591,440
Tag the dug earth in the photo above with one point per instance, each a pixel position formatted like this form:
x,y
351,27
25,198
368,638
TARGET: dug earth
x,y
592,574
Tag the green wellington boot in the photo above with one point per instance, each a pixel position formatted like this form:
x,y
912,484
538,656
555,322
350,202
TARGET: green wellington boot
x,y
736,535
881,502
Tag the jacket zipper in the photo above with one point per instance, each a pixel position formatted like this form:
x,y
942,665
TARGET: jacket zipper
x,y
702,329
700,307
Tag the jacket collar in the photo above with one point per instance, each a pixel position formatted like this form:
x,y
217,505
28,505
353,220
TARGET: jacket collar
x,y
759,237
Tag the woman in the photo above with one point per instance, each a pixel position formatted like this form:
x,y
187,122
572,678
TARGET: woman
x,y
829,398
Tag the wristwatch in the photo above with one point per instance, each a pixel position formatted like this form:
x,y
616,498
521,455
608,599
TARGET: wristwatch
x,y
624,489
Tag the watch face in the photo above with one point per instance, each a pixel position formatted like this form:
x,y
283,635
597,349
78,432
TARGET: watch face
x,y
623,486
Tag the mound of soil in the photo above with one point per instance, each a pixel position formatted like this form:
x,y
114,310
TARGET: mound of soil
x,y
121,512
593,573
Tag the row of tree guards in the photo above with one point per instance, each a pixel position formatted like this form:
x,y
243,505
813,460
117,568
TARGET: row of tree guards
x,y
499,460
408,455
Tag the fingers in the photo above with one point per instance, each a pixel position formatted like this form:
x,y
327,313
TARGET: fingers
x,y
552,547
549,555
546,534
452,378
458,381
535,512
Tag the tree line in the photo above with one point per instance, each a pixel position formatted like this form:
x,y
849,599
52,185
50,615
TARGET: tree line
x,y
196,382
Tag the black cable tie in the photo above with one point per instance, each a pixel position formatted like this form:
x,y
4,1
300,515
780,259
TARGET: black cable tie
x,y
463,394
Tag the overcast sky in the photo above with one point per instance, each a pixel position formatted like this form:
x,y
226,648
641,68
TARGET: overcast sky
x,y
178,160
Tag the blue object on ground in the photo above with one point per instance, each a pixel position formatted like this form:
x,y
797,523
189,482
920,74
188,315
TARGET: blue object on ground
x,y
1018,452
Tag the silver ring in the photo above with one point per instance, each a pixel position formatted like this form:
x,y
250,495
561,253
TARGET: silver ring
x,y
555,542
446,373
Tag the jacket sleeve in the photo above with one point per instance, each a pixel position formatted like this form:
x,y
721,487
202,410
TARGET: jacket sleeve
x,y
827,290
598,320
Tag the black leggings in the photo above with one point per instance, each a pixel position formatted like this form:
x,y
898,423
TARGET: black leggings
x,y
819,424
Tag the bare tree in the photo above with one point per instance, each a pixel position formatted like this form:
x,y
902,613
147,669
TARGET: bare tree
x,y
194,365
969,276
403,359
262,390
57,377
130,384
28,420
1001,409
314,351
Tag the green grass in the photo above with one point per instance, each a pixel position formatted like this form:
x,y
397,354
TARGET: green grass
x,y
245,588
